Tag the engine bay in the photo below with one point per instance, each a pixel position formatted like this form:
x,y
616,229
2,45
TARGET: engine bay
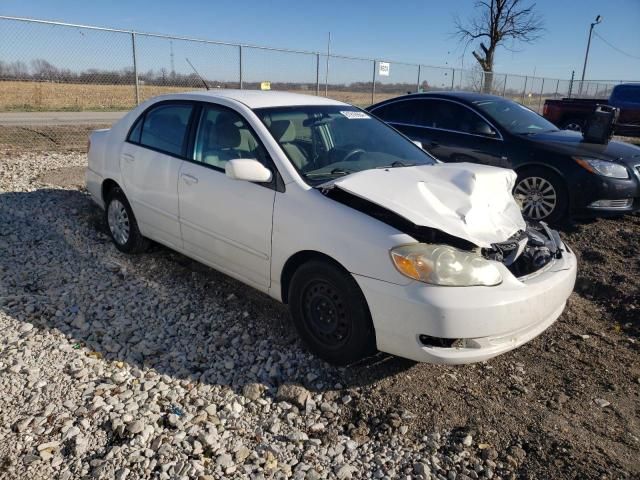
x,y
527,251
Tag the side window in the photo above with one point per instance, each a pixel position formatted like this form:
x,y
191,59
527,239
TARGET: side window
x,y
165,127
402,111
224,135
452,116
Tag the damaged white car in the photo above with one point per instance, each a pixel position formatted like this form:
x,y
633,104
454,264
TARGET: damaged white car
x,y
371,242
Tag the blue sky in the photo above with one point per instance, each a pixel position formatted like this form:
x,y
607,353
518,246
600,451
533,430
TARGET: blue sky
x,y
412,31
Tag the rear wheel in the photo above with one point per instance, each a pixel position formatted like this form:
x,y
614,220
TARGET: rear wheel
x,y
330,313
122,224
542,195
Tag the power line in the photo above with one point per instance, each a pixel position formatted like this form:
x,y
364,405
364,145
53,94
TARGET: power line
x,y
615,48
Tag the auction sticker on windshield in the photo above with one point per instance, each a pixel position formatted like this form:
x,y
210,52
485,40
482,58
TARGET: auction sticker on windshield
x,y
354,115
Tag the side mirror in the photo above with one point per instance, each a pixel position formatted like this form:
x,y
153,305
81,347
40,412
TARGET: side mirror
x,y
484,129
247,169
418,143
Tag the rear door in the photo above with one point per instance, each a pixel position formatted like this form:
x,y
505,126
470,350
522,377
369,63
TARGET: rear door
x,y
463,135
450,131
226,223
150,160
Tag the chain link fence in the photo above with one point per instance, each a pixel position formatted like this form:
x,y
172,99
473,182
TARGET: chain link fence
x,y
57,67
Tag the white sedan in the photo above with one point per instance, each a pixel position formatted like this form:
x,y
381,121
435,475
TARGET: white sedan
x,y
371,241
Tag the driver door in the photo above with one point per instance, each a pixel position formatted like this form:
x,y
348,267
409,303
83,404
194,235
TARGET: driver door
x,y
226,223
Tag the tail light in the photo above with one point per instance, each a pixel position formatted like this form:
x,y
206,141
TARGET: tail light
x,y
545,109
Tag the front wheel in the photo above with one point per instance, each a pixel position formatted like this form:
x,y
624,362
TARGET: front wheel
x,y
541,195
330,313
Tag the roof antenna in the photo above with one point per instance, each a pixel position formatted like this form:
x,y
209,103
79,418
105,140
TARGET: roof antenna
x,y
199,76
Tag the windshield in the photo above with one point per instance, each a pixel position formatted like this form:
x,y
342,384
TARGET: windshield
x,y
325,142
515,118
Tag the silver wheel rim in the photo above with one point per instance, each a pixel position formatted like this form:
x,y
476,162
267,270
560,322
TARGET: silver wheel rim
x,y
118,221
574,127
537,197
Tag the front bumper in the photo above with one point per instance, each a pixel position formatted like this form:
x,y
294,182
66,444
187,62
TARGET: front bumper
x,y
593,188
492,320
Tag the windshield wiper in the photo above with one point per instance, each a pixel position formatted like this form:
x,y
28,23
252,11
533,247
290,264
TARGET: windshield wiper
x,y
397,164
335,171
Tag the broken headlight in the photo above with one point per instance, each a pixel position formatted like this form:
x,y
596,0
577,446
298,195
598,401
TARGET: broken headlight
x,y
444,265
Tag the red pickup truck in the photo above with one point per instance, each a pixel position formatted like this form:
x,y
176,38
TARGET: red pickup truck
x,y
571,113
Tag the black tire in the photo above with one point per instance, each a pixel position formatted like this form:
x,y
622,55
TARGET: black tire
x,y
133,242
533,194
573,124
330,313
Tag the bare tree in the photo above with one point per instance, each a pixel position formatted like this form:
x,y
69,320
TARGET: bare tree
x,y
498,23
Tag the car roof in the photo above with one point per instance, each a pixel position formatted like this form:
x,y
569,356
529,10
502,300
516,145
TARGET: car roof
x,y
467,97
255,98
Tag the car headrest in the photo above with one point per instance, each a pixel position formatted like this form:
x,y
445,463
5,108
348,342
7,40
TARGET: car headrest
x,y
227,133
283,130
164,123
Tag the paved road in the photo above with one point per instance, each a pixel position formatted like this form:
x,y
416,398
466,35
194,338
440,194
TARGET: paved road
x,y
58,118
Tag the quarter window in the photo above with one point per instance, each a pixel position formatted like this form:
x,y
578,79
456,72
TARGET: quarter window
x,y
224,135
403,111
164,128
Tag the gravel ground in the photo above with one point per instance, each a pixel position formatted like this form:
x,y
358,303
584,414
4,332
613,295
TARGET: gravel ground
x,y
154,366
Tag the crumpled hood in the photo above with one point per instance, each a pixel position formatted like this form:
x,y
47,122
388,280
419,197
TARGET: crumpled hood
x,y
469,201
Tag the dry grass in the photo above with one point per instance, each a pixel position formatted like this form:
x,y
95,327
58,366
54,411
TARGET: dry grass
x,y
43,96
46,138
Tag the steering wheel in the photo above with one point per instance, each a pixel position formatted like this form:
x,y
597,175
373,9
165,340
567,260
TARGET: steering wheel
x,y
355,151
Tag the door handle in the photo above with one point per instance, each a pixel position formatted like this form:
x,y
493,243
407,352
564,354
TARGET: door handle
x,y
189,179
128,157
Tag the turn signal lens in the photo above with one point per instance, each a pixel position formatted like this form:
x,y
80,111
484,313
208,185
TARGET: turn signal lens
x,y
444,265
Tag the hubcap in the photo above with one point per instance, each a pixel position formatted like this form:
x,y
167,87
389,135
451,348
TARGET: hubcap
x,y
325,314
118,221
536,196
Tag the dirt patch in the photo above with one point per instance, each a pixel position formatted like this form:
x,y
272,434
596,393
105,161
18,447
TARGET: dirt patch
x,y
542,397
65,177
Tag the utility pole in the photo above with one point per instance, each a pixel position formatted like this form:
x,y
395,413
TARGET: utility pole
x,y
326,73
586,55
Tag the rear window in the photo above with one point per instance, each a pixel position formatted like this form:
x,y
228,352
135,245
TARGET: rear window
x,y
627,93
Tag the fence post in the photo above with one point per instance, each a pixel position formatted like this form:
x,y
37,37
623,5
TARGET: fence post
x,y
453,79
240,66
540,99
555,95
373,83
317,74
573,72
524,89
418,85
504,87
135,67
